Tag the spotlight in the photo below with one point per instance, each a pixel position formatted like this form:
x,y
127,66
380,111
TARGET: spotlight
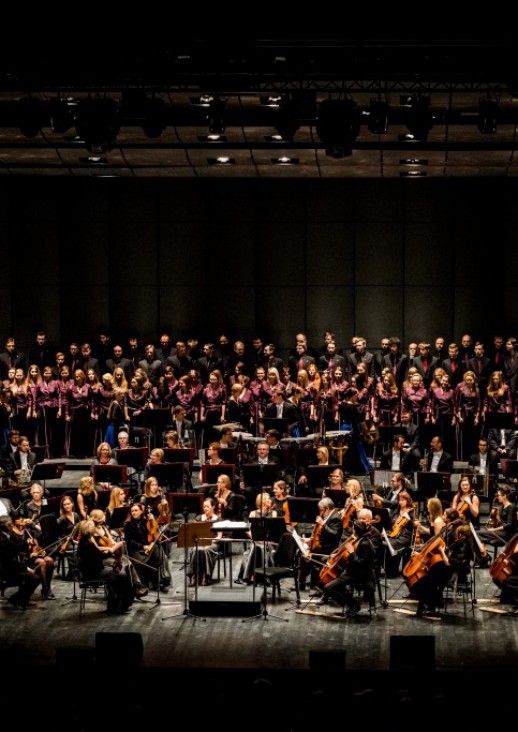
x,y
31,116
419,120
216,117
98,124
487,111
338,126
378,117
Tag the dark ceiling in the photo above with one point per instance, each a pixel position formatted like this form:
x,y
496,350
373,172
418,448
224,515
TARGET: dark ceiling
x,y
267,107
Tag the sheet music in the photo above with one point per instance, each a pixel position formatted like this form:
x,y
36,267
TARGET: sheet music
x,y
391,549
222,525
302,547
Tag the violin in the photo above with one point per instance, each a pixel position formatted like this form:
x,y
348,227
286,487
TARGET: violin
x,y
164,512
401,521
349,510
152,527
504,565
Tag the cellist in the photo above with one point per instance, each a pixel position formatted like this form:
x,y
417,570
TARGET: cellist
x,y
324,539
362,547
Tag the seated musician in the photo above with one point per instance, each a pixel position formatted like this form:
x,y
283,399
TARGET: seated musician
x,y
172,440
502,523
263,456
322,459
435,519
142,538
36,559
33,506
438,461
467,502
455,548
398,483
485,461
252,559
335,481
214,458
117,500
359,573
156,457
353,504
509,586
203,558
279,500
401,534
14,568
99,558
22,461
156,504
398,457
324,540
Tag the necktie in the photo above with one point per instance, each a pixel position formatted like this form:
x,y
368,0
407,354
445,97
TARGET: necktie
x,y
301,364
425,364
453,367
497,358
479,365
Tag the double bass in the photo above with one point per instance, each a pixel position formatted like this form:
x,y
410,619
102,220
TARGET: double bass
x,y
505,563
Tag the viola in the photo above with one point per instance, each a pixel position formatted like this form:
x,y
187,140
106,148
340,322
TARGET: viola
x,y
504,565
420,564
164,512
337,562
399,524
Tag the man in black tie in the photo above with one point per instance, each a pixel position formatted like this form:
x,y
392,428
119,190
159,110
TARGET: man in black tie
x,y
481,367
11,358
454,365
279,408
271,360
398,458
181,425
425,363
398,482
331,359
438,460
396,361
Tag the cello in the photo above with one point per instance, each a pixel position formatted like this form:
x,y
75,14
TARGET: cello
x,y
505,563
420,564
337,562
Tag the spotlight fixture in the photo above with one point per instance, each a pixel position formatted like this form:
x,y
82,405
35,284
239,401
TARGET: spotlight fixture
x,y
98,124
338,126
216,116
285,160
378,117
419,120
487,116
31,116
221,160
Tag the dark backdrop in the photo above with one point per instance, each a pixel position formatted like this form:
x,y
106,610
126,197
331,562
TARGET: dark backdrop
x,y
200,257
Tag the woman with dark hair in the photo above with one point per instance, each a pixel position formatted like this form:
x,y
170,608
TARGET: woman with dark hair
x,y
163,395
203,558
62,427
188,397
467,502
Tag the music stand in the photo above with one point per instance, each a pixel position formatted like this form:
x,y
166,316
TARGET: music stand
x,y
281,424
429,484
509,468
156,420
42,472
133,457
179,455
383,522
318,475
210,473
118,517
112,474
259,476
303,510
228,455
265,530
387,433
179,503
338,496
167,474
189,535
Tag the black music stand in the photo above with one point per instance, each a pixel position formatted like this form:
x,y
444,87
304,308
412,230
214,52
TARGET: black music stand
x,y
133,457
118,517
210,473
112,474
281,424
305,510
228,455
42,472
167,474
258,476
179,503
179,455
338,496
318,476
428,485
155,420
380,518
188,536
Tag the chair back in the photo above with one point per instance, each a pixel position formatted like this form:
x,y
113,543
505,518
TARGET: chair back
x,y
49,528
239,507
286,551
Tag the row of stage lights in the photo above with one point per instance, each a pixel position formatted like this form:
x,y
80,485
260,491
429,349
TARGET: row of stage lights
x,y
98,120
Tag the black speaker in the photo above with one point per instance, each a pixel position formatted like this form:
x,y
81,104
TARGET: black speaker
x,y
412,652
124,648
326,660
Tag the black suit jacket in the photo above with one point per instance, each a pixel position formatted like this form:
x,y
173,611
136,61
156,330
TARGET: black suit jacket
x,y
495,441
428,374
16,358
15,462
445,463
288,411
124,364
455,376
492,462
481,372
408,462
401,363
367,358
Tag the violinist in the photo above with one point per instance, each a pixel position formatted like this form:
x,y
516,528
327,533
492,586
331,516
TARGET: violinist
x,y
467,502
359,572
157,505
86,496
14,568
205,556
435,519
33,506
99,558
505,529
353,504
117,500
324,539
401,533
34,556
252,559
141,535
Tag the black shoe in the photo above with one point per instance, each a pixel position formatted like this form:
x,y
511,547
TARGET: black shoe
x,y
141,591
323,601
238,581
17,603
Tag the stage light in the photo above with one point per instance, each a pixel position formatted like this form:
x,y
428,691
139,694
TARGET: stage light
x,y
487,116
98,124
338,126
